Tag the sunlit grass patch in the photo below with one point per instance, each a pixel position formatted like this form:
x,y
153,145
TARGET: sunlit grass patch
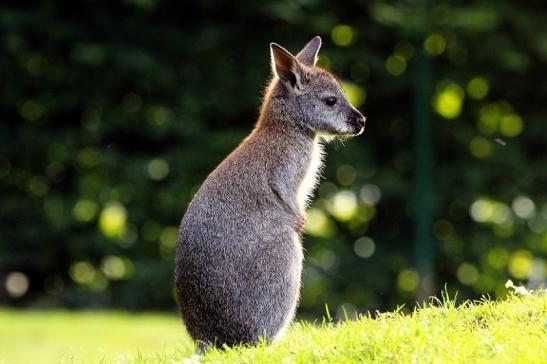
x,y
90,337
509,331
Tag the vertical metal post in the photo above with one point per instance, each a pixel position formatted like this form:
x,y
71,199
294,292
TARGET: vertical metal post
x,y
423,186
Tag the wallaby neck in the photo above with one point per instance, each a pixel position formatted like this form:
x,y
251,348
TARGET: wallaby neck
x,y
293,158
284,126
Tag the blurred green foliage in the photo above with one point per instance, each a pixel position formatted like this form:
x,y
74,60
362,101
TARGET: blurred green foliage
x,y
113,112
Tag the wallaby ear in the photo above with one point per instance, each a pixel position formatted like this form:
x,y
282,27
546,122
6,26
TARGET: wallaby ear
x,y
308,54
285,65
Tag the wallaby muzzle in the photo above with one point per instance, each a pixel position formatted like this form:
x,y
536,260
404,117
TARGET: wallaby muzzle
x,y
357,121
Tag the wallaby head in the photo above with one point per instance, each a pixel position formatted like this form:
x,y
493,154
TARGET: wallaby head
x,y
309,96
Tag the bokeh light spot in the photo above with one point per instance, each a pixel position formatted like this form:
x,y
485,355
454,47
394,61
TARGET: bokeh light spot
x,y
38,186
168,239
539,271
511,125
85,274
17,284
481,210
467,273
355,93
116,268
113,220
489,211
480,147
448,102
327,189
150,231
484,284
343,205
501,213
82,272
538,223
157,169
32,110
396,65
318,224
407,280
89,54
370,194
159,115
327,259
89,157
435,44
497,258
129,237
346,175
489,116
58,152
520,264
477,88
36,64
85,210
500,117
343,35
364,247
524,207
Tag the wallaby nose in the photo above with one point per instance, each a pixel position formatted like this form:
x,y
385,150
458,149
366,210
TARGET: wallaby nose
x,y
357,119
361,119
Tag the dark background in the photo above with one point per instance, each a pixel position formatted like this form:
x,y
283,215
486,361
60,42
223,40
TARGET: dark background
x,y
113,112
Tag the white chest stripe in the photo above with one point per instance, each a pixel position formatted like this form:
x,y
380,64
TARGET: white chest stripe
x,y
311,178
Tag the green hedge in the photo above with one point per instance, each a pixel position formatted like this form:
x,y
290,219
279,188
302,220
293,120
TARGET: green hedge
x,y
113,113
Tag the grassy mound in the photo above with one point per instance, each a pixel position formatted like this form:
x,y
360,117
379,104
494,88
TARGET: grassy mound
x,y
509,331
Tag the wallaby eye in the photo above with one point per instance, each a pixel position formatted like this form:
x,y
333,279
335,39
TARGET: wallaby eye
x,y
330,101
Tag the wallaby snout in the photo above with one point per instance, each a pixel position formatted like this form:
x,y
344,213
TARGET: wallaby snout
x,y
357,121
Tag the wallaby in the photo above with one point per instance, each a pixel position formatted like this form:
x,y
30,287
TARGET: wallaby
x,y
239,255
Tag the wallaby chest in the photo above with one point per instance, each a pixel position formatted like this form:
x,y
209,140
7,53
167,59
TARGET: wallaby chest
x,y
310,177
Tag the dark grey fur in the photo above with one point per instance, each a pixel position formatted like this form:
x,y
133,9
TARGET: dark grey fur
x,y
239,256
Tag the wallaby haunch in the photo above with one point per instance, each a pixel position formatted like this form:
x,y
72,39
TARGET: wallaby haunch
x,y
239,256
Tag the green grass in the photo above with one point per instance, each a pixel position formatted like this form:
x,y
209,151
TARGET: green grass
x,y
509,331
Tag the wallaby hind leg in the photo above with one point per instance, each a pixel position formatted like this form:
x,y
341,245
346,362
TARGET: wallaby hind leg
x,y
203,347
270,301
